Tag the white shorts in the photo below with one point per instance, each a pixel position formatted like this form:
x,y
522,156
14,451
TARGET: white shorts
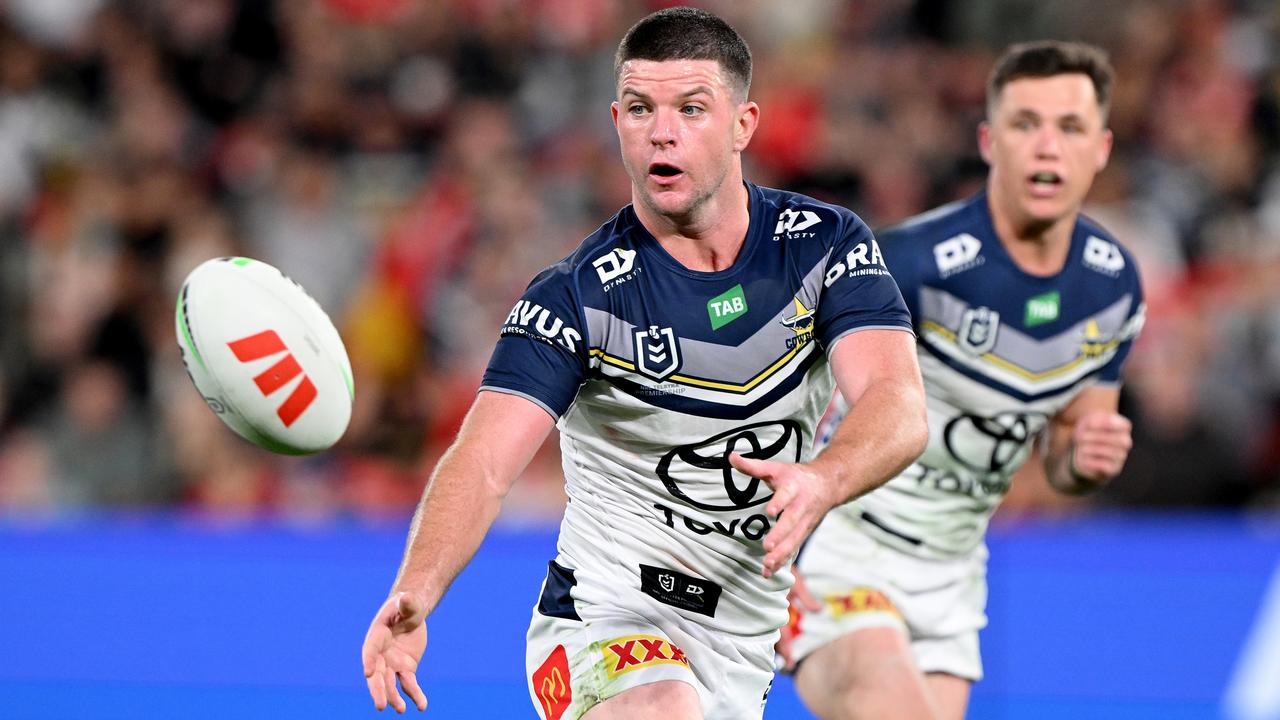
x,y
863,583
579,655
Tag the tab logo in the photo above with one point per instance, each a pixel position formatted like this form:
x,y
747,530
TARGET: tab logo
x,y
614,264
657,352
1042,309
266,344
1103,256
726,307
792,221
624,654
957,254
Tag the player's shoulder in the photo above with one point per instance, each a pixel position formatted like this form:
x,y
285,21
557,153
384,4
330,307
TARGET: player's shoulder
x,y
1103,254
939,224
606,251
798,216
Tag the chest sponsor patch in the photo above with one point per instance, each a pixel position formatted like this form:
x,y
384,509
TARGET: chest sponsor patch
x,y
677,589
726,307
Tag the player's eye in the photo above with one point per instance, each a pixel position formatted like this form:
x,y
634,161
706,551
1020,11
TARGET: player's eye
x,y
1023,124
691,110
637,109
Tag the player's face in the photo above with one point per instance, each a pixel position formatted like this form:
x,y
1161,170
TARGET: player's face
x,y
1045,142
682,130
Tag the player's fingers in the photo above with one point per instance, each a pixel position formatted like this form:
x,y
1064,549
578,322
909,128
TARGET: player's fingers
x,y
369,651
393,695
409,682
376,689
783,495
754,467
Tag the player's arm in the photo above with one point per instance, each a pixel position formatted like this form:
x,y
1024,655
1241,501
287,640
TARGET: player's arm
x,y
886,427
885,430
1086,444
500,435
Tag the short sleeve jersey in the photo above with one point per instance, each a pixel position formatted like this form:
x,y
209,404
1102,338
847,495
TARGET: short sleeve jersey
x,y
1001,352
657,372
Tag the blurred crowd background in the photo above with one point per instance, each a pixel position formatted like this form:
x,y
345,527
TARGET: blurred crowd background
x,y
413,163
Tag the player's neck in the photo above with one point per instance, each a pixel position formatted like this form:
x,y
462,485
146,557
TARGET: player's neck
x,y
708,240
1037,248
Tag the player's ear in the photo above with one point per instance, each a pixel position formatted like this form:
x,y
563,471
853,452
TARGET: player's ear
x,y
744,125
984,141
613,110
1104,149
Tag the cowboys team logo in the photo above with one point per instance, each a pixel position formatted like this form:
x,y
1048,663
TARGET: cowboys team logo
x,y
978,328
657,352
801,322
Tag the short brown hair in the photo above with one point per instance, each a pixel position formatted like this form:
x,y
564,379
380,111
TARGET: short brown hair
x,y
685,33
1047,58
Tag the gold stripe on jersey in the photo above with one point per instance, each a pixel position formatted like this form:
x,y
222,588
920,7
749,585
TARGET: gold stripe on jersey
x,y
1093,350
704,383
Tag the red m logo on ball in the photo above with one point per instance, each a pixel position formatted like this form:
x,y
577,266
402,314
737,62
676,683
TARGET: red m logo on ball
x,y
265,344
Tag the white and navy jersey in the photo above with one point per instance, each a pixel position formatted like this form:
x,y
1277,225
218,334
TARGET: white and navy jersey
x,y
657,372
1001,352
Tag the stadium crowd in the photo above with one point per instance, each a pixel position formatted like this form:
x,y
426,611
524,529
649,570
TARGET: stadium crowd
x,y
413,162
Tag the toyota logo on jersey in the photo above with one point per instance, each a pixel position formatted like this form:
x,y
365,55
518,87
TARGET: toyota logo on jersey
x,y
995,444
680,467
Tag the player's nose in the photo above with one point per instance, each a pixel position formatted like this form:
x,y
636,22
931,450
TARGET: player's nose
x,y
663,129
1048,143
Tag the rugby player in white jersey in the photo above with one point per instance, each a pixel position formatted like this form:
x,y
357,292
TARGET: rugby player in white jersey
x,y
1025,310
686,351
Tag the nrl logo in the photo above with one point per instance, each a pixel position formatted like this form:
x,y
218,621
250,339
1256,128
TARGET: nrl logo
x,y
657,352
978,329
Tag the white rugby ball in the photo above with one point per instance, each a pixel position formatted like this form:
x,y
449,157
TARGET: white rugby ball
x,y
264,355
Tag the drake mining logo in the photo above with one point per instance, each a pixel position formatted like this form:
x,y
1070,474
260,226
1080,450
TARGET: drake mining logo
x,y
801,322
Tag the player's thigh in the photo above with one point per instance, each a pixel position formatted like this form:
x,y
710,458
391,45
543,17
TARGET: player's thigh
x,y
662,700
864,675
950,695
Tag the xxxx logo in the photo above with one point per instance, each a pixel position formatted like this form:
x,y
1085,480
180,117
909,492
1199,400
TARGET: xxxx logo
x,y
551,684
266,344
638,651
860,600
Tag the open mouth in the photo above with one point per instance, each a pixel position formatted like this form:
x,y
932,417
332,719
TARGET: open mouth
x,y
1045,179
664,170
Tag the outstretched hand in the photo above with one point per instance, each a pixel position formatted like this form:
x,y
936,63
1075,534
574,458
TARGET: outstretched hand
x,y
393,648
800,498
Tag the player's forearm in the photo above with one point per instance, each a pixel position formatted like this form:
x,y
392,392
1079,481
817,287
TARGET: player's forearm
x,y
458,506
880,436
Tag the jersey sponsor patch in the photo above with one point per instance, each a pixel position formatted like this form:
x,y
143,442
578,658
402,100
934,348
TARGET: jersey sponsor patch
x,y
531,320
859,600
957,254
633,652
1042,309
1103,256
551,684
677,589
614,267
726,307
792,221
864,259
